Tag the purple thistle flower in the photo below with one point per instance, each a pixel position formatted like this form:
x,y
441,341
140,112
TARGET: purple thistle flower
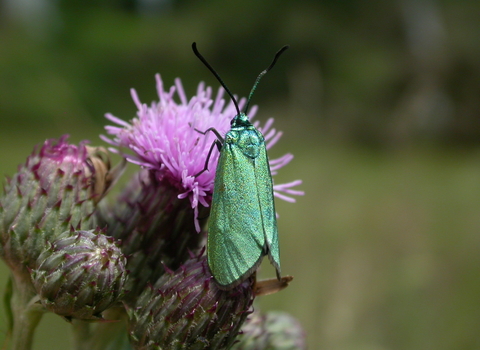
x,y
163,138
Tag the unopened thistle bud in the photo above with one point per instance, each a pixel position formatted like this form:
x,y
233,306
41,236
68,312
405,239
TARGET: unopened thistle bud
x,y
80,275
54,191
271,331
156,227
186,310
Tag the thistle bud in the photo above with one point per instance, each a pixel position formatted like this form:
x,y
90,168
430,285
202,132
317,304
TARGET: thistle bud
x,y
186,310
155,226
52,192
271,331
80,275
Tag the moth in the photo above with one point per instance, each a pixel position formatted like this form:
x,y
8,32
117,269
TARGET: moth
x,y
242,227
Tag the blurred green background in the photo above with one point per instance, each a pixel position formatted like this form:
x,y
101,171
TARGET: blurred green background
x,y
379,102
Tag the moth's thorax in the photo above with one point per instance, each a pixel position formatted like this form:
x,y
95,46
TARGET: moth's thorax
x,y
247,138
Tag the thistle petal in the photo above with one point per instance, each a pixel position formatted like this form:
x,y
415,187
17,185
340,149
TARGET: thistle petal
x,y
164,137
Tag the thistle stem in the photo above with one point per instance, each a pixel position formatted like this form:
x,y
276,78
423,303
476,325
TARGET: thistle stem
x,y
111,334
81,334
25,310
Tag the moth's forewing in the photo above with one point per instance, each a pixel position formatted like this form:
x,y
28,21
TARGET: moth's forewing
x,y
264,184
235,235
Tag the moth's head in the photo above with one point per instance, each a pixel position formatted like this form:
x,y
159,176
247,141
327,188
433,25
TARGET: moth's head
x,y
240,120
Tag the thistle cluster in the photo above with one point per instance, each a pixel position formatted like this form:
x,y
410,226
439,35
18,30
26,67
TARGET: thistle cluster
x,y
137,256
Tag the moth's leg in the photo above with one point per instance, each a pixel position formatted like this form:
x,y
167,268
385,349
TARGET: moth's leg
x,y
218,142
215,131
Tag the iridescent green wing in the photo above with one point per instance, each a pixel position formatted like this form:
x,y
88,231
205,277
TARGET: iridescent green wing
x,y
235,235
265,196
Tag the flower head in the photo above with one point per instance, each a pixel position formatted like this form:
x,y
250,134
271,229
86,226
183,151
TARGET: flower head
x,y
164,137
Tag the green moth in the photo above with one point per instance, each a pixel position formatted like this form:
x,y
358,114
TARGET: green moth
x,y
242,227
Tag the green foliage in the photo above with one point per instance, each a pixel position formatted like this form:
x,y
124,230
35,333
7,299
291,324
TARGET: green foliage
x,y
372,71
386,253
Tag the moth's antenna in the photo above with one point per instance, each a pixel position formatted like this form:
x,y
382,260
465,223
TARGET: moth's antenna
x,y
194,47
263,73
